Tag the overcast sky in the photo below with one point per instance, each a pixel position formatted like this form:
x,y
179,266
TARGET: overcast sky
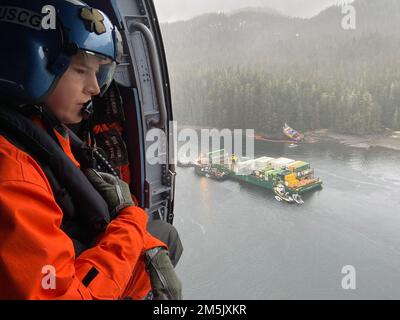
x,y
172,10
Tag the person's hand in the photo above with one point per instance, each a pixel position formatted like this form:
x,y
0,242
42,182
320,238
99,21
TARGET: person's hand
x,y
114,191
164,281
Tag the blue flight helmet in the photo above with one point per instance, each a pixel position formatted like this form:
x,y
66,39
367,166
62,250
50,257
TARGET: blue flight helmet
x,y
38,39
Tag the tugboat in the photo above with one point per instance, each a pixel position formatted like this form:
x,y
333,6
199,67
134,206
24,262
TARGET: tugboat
x,y
292,134
282,194
289,135
210,172
297,198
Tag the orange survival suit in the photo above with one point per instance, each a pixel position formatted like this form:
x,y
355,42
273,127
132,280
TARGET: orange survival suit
x,y
31,239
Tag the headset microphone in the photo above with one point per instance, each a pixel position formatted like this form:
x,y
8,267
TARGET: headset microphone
x,y
87,110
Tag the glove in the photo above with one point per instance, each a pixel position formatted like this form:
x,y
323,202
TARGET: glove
x,y
114,191
164,281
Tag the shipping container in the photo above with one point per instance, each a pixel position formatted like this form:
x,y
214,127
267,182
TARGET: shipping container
x,y
290,176
296,164
281,163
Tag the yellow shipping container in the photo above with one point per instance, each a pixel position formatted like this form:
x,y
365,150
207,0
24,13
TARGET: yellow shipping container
x,y
293,183
290,177
295,165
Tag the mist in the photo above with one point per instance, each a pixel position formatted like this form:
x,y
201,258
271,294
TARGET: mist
x,y
173,10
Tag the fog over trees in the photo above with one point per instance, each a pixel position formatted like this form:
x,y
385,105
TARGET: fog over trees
x,y
259,69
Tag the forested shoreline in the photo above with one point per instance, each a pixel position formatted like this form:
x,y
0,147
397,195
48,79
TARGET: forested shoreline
x,y
257,70
238,98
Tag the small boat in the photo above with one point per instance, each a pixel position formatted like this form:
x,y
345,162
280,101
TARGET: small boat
x,y
281,194
280,191
209,172
297,198
292,134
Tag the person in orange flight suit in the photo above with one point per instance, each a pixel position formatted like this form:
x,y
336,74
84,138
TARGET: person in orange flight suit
x,y
38,257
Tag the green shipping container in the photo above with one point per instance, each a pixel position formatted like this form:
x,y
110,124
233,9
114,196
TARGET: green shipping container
x,y
302,168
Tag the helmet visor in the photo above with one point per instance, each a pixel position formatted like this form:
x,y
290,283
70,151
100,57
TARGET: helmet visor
x,y
103,66
105,75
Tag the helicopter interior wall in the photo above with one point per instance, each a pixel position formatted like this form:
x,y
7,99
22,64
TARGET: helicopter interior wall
x,y
133,131
133,136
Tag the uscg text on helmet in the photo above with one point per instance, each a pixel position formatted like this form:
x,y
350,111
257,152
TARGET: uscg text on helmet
x,y
45,20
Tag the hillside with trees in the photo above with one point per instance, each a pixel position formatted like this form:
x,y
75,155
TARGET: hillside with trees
x,y
258,69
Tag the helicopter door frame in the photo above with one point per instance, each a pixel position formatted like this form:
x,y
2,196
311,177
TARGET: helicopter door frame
x,y
143,81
